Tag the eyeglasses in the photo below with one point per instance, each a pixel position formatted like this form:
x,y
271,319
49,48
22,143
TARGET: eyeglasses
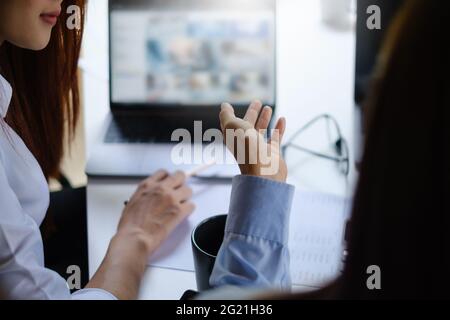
x,y
342,157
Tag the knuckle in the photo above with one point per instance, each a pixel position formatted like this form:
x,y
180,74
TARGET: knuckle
x,y
144,185
170,198
169,179
162,172
159,191
174,210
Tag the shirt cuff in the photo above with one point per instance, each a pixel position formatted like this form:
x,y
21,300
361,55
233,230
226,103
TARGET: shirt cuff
x,y
260,208
93,294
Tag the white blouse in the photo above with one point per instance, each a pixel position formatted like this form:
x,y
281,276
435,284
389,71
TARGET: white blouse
x,y
24,199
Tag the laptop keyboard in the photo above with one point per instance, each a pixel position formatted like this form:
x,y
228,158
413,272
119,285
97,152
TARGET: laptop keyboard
x,y
141,129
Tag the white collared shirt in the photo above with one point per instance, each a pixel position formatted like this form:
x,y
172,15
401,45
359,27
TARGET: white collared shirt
x,y
24,200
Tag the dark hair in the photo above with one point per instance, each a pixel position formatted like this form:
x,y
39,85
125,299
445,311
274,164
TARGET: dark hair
x,y
401,215
46,99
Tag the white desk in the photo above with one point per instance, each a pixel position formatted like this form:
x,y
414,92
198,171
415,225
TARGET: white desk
x,y
315,75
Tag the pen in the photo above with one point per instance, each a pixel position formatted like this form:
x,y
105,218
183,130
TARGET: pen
x,y
193,172
199,169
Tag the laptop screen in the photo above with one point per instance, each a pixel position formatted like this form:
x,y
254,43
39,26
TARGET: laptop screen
x,y
196,53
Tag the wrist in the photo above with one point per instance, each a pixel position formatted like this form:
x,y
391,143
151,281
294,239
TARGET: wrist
x,y
135,240
123,267
129,251
257,171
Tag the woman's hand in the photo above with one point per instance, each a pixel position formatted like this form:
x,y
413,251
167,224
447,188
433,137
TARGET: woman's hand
x,y
160,203
246,139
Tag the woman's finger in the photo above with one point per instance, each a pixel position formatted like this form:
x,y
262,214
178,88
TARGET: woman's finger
x,y
264,118
159,175
226,115
176,180
278,133
253,112
184,193
187,208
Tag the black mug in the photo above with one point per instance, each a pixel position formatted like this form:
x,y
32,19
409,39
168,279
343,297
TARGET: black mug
x,y
206,240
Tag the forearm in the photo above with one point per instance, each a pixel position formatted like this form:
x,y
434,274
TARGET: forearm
x,y
123,267
160,203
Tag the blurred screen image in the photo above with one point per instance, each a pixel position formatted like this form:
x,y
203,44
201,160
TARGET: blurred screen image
x,y
192,58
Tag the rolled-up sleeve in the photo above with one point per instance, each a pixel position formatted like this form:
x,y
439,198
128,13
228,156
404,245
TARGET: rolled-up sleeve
x,y
254,252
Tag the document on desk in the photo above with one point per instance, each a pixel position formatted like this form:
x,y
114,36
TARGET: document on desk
x,y
315,238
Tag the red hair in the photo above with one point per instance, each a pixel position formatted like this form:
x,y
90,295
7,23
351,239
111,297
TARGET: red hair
x,y
46,97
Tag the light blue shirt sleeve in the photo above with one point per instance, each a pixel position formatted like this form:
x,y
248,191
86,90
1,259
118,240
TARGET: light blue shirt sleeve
x,y
254,252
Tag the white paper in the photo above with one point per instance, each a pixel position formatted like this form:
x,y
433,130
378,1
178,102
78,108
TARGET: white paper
x,y
316,238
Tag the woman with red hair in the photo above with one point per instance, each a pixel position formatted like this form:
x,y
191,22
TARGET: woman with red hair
x,y
39,51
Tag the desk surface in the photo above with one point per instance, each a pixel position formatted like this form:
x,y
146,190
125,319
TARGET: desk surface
x,y
315,75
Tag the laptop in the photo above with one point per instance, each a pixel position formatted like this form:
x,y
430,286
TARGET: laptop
x,y
172,64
